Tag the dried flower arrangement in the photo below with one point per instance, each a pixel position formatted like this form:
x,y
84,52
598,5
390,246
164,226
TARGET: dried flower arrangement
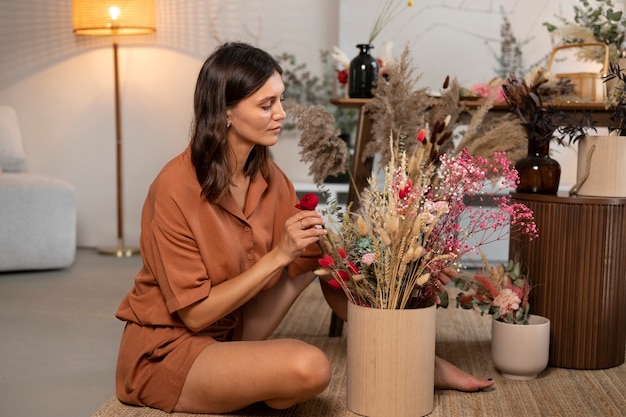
x,y
399,106
501,291
544,123
597,22
388,253
320,145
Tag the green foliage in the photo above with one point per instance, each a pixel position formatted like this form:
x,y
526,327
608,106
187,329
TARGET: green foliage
x,y
510,58
601,18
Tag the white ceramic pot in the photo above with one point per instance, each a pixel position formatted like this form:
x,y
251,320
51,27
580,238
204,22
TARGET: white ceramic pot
x,y
521,351
390,361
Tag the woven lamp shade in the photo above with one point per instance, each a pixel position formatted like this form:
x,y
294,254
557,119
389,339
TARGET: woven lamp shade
x,y
114,17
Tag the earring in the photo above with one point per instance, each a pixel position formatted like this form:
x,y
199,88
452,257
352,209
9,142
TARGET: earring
x,y
228,124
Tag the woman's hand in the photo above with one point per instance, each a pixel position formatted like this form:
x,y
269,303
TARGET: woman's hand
x,y
445,277
441,281
301,230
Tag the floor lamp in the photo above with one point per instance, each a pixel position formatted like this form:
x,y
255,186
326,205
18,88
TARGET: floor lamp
x,y
115,18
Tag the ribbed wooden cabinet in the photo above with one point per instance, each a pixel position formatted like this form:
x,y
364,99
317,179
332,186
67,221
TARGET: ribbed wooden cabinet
x,y
577,267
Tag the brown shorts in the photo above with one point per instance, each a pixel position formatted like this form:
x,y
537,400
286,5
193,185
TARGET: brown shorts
x,y
153,363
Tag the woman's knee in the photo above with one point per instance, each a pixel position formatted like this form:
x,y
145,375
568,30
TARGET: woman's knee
x,y
312,368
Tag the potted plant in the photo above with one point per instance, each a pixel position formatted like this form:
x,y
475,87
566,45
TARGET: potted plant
x,y
387,254
520,341
386,251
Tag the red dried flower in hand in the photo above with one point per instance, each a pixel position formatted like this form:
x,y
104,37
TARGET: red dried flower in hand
x,y
308,202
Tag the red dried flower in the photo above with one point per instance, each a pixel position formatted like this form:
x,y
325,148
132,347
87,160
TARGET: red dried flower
x,y
343,275
334,283
404,192
353,268
326,261
308,202
342,77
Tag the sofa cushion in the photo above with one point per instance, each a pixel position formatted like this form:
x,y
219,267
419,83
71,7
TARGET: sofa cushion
x,y
12,155
38,220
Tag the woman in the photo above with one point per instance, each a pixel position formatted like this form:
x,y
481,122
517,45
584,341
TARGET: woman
x,y
225,255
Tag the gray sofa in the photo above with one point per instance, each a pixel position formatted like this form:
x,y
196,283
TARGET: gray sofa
x,y
37,212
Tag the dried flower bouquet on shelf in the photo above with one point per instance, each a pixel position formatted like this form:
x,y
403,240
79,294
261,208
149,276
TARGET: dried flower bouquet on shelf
x,y
399,105
544,123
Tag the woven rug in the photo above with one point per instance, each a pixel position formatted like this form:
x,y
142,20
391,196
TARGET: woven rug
x,y
463,338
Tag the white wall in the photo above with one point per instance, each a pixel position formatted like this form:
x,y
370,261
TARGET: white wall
x,y
62,85
461,39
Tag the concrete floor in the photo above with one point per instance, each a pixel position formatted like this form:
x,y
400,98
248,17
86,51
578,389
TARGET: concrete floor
x,y
59,336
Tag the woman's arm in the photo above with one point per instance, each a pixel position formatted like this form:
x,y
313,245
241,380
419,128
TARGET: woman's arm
x,y
233,293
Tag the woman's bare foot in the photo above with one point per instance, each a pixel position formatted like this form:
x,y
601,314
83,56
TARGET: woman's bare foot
x,y
448,376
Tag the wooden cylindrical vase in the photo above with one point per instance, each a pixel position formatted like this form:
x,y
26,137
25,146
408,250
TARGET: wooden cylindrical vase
x,y
601,169
390,361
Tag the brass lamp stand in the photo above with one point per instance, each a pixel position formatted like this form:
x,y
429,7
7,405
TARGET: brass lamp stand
x,y
106,18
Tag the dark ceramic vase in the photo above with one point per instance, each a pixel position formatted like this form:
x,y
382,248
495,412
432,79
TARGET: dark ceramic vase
x,y
538,172
363,73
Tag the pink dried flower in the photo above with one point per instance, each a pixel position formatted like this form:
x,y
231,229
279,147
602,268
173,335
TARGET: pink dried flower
x,y
368,259
508,301
501,291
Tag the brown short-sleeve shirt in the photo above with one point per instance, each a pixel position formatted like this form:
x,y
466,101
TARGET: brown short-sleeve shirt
x,y
187,246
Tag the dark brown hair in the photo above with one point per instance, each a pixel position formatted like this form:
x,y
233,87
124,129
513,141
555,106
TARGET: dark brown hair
x,y
233,72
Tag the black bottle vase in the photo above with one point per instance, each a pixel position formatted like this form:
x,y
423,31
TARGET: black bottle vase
x,y
363,73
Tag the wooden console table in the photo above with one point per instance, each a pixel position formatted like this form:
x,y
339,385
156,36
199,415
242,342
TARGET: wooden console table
x,y
359,169
576,267
599,113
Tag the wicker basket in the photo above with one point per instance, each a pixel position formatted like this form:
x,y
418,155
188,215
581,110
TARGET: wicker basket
x,y
588,86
